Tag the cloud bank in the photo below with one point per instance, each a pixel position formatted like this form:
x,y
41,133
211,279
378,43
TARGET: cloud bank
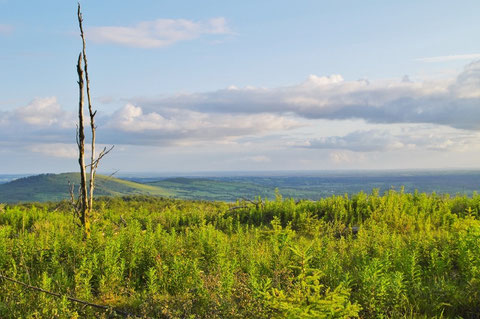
x,y
400,115
454,103
131,125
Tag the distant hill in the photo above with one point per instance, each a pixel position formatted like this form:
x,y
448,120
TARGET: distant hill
x,y
54,187
5,178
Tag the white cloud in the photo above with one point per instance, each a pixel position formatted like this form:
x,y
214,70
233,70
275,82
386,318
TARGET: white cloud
x,y
131,124
448,102
448,58
421,116
314,80
131,118
43,120
158,33
44,112
467,85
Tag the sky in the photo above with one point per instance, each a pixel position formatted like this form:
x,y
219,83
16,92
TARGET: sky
x,y
191,86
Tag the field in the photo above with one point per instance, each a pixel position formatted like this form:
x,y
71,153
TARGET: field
x,y
407,255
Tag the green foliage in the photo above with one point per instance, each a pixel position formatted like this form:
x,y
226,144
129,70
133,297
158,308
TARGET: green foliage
x,y
366,255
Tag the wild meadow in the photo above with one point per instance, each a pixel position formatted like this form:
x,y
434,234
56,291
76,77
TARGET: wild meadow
x,y
392,255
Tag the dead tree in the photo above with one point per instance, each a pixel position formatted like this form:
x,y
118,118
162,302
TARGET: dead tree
x,y
84,204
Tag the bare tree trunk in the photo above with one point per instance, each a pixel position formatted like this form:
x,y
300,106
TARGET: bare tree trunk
x,y
84,205
91,113
81,146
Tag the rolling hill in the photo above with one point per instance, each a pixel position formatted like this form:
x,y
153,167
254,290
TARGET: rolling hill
x,y
53,187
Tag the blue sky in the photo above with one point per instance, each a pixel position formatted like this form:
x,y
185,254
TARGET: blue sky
x,y
251,85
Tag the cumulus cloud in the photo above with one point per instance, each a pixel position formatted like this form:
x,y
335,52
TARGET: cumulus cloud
x,y
131,118
454,103
44,112
43,120
467,85
131,125
158,33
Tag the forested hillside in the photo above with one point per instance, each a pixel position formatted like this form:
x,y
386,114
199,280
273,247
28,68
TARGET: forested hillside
x,y
54,187
369,256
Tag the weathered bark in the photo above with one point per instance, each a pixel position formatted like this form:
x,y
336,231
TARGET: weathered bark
x,y
83,209
90,111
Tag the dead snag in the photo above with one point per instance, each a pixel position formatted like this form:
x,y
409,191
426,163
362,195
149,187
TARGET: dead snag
x,y
85,203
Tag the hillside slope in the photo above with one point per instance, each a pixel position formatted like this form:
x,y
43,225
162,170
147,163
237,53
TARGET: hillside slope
x,y
53,187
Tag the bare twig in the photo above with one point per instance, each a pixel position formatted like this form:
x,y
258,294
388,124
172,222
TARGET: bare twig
x,y
74,202
248,200
104,152
258,204
95,163
71,187
114,173
238,207
83,302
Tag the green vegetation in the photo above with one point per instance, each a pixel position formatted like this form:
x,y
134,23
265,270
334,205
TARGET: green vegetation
x,y
55,187
414,256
